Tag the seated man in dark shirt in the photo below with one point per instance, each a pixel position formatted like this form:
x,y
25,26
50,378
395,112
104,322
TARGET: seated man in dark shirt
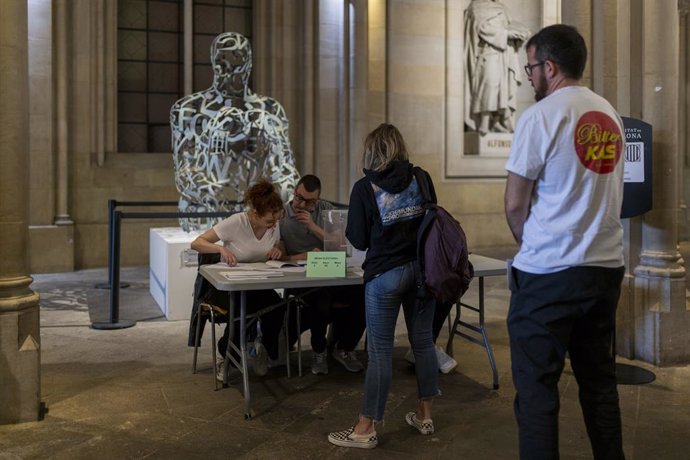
x,y
343,305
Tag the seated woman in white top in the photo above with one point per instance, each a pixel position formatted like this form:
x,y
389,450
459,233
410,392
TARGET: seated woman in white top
x,y
252,236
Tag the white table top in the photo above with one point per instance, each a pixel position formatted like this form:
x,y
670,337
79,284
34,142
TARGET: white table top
x,y
289,280
486,266
483,266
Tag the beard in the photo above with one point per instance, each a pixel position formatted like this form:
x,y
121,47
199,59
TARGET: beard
x,y
540,88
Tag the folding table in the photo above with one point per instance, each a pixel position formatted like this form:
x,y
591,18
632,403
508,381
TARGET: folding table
x,y
483,267
288,280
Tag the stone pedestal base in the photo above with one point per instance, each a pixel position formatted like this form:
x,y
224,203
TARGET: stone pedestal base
x,y
625,319
653,320
20,353
490,145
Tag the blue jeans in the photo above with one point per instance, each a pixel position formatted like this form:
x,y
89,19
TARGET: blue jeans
x,y
383,296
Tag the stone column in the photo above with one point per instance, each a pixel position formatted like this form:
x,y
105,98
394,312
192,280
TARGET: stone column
x,y
683,118
19,313
661,317
61,112
359,102
188,40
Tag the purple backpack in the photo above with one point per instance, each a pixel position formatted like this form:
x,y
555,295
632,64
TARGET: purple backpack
x,y
444,265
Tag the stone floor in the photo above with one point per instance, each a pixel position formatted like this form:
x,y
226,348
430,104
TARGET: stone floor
x,y
130,393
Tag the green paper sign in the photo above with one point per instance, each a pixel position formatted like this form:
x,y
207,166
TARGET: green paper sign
x,y
326,264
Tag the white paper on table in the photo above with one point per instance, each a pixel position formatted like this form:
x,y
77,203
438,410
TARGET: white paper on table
x,y
265,268
300,269
243,266
231,275
285,264
253,270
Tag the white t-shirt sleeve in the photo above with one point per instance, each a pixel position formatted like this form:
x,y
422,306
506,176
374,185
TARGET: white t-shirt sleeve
x,y
528,150
238,237
229,227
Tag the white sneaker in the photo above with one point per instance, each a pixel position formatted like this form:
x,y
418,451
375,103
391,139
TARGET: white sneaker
x,y
445,362
409,356
219,369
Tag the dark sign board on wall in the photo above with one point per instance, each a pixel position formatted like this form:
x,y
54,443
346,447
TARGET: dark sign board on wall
x,y
637,190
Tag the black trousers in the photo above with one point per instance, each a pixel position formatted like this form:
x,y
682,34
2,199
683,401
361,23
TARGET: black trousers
x,y
343,306
570,311
271,322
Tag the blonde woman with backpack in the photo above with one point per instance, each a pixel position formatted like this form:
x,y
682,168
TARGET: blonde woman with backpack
x,y
386,209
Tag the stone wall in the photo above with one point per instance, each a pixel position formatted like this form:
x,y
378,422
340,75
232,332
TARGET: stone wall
x,y
338,71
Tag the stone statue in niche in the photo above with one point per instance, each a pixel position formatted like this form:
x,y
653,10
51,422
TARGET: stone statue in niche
x,y
227,137
492,70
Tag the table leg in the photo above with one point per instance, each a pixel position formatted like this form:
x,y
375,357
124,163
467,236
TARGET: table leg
x,y
243,355
213,345
299,339
196,338
485,337
286,328
477,329
231,337
453,329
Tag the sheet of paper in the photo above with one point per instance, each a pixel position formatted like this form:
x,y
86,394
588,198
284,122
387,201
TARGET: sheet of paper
x,y
300,269
250,274
283,264
246,266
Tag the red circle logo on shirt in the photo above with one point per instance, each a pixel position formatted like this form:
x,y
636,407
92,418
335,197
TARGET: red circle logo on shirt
x,y
598,142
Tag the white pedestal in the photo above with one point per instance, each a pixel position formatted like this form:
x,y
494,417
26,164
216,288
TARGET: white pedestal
x,y
171,282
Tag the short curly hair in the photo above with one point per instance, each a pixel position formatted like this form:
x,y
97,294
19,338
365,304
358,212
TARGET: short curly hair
x,y
262,198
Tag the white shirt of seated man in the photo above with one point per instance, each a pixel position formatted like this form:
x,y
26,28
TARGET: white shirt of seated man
x,y
226,137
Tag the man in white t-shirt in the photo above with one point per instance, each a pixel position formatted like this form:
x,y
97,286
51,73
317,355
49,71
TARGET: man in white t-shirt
x,y
563,200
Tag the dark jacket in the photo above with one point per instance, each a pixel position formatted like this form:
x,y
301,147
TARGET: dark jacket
x,y
205,292
386,208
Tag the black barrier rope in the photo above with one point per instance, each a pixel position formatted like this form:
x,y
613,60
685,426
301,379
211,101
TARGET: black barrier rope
x,y
114,226
114,230
112,204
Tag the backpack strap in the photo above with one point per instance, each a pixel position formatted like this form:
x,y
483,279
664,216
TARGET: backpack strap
x,y
423,183
422,292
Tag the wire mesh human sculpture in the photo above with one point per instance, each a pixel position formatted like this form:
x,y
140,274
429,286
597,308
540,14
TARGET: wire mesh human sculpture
x,y
226,137
492,70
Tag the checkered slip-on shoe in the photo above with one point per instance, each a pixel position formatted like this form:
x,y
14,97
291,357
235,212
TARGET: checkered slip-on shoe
x,y
424,426
348,438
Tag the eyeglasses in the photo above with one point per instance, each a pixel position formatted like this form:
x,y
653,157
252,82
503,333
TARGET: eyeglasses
x,y
301,199
529,67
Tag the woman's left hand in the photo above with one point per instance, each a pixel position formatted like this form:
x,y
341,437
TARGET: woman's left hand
x,y
274,254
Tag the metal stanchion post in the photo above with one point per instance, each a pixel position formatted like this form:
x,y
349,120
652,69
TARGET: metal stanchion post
x,y
112,204
114,268
114,233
